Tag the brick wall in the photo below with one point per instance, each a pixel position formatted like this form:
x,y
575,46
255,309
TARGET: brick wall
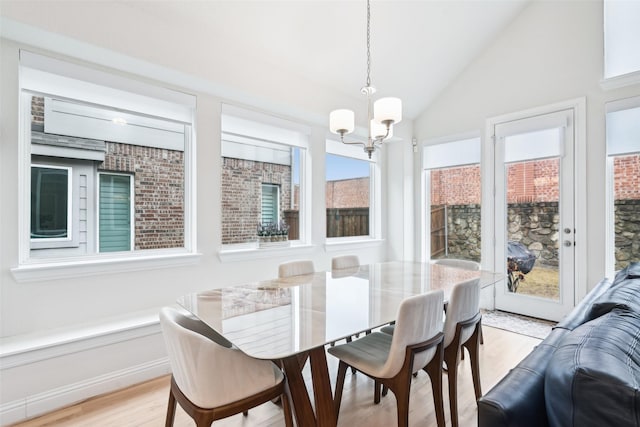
x,y
626,170
37,110
242,196
159,192
534,181
456,186
347,193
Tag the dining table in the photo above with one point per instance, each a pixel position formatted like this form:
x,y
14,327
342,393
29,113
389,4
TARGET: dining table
x,y
291,320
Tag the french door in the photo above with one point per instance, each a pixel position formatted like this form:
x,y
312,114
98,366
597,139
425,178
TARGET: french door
x,y
534,211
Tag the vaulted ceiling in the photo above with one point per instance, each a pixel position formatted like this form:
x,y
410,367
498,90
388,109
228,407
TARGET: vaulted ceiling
x,y
418,47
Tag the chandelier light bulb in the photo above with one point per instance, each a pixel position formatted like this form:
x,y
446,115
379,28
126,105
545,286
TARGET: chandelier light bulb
x,y
342,121
388,110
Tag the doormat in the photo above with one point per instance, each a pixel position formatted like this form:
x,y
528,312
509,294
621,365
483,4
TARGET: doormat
x,y
517,323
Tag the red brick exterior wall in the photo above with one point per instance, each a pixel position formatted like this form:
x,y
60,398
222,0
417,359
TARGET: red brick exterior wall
x,y
347,193
456,186
528,182
158,191
626,170
242,196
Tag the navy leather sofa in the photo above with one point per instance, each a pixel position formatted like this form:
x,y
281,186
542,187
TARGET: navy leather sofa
x,y
586,373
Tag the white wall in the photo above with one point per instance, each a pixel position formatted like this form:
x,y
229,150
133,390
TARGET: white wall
x,y
552,52
67,339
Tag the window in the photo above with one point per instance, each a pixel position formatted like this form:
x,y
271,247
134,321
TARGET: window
x,y
347,196
623,170
270,204
263,178
453,196
50,198
114,213
108,167
352,192
621,35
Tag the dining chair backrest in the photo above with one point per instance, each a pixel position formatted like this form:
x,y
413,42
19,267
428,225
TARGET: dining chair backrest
x,y
210,373
459,263
295,268
344,261
419,318
464,303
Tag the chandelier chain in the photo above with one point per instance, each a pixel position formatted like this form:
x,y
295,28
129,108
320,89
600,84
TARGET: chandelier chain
x,y
368,44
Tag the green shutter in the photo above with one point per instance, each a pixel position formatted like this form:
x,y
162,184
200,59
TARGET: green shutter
x,y
115,213
269,203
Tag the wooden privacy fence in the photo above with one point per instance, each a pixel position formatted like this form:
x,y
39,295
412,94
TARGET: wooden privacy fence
x,y
292,219
343,222
438,230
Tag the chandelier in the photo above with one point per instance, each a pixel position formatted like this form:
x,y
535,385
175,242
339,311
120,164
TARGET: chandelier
x,y
381,118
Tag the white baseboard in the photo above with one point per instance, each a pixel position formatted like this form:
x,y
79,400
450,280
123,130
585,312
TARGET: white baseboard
x,y
39,404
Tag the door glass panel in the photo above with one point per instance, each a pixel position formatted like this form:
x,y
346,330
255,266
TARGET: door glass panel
x,y
532,226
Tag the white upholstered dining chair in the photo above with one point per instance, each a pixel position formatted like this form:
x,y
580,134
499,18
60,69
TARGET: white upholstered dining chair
x,y
462,330
459,263
295,268
344,261
391,359
210,378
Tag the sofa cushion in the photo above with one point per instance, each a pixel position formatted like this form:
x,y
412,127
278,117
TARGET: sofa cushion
x,y
593,377
624,295
582,312
631,271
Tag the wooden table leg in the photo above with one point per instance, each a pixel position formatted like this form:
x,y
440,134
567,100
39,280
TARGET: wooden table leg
x,y
325,410
324,415
302,408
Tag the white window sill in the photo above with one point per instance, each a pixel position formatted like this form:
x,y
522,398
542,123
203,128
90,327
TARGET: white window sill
x,y
348,243
35,347
620,81
232,254
38,270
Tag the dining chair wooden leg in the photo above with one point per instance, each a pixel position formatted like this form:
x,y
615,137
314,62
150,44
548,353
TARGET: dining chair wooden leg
x,y
451,359
434,370
376,392
245,413
171,410
473,346
342,372
402,400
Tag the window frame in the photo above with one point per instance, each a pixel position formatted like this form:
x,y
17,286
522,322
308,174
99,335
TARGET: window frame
x,y
610,240
44,76
609,82
426,186
58,242
240,125
338,148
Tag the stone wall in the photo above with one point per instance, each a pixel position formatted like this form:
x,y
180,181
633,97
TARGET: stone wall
x,y
463,232
242,196
533,224
627,232
158,192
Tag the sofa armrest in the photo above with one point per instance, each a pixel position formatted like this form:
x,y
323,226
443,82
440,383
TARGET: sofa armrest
x,y
518,399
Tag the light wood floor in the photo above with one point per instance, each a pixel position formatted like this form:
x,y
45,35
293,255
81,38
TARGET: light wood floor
x,y
145,404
